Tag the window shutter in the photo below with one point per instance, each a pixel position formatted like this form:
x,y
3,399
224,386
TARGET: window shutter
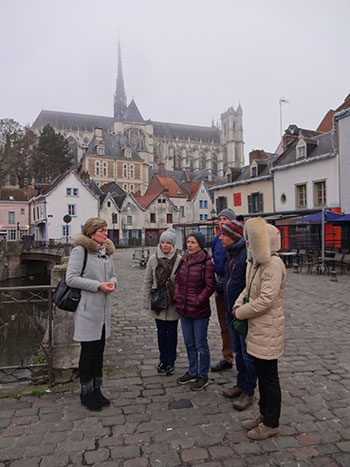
x,y
250,207
261,202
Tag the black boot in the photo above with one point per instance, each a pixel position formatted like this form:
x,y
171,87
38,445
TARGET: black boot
x,y
101,399
88,397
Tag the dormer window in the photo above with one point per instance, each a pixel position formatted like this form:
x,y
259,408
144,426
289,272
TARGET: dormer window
x,y
301,149
254,171
128,153
100,150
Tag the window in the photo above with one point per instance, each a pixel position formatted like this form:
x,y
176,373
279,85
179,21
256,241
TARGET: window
x,y
125,171
203,204
114,218
12,234
203,217
105,169
66,230
33,214
129,220
72,210
132,171
221,203
11,217
108,204
182,211
301,200
152,217
125,187
255,202
128,154
22,212
253,171
72,191
320,193
169,218
97,167
37,212
163,200
100,150
159,200
301,152
132,189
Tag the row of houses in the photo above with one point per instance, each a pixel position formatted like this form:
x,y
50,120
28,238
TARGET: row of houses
x,y
57,212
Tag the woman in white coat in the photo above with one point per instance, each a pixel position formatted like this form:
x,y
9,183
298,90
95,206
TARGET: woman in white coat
x,y
160,272
92,317
265,282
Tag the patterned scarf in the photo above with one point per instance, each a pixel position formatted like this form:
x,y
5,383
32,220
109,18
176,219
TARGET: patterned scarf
x,y
163,271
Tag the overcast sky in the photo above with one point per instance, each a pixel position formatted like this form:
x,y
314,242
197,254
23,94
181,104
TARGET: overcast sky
x,y
184,61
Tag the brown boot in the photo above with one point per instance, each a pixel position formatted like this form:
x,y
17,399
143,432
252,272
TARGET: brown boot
x,y
252,422
231,393
243,402
263,432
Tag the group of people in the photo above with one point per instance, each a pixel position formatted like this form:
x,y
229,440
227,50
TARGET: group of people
x,y
248,278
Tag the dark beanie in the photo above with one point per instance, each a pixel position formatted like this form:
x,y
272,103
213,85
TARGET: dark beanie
x,y
229,213
233,229
199,237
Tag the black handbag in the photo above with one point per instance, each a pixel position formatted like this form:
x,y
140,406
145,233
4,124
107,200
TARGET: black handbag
x,y
159,299
65,297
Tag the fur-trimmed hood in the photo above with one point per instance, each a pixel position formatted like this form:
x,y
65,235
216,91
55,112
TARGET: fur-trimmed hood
x,y
264,239
93,246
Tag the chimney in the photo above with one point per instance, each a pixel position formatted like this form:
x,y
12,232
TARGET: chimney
x,y
161,169
257,154
188,174
98,134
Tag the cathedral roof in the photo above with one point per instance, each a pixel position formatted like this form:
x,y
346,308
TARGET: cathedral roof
x,y
72,121
132,113
114,146
185,132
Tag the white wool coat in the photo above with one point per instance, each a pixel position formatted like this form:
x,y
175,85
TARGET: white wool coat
x,y
94,308
265,338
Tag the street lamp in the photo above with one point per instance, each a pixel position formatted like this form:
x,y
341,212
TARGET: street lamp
x,y
283,100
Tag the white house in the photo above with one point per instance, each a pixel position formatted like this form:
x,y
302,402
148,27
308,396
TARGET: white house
x,y
67,195
342,129
199,206
306,175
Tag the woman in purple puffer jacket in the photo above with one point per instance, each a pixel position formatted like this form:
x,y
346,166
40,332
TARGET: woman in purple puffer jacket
x,y
194,284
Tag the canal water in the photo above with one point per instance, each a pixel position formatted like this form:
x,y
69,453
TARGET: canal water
x,y
22,328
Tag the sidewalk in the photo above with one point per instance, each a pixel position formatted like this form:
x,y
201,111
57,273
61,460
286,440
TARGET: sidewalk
x,y
153,422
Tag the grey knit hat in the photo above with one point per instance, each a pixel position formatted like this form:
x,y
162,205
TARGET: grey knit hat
x,y
229,213
199,237
168,236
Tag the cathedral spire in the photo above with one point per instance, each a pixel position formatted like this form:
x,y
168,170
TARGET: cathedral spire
x,y
119,96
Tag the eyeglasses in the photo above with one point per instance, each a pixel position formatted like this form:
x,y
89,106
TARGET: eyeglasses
x,y
102,230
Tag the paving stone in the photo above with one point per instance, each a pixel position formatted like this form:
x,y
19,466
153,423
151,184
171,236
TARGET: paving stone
x,y
96,457
344,446
165,460
136,462
125,452
194,454
54,461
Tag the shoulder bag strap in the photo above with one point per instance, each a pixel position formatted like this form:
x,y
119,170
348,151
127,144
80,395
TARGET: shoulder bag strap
x,y
85,261
250,285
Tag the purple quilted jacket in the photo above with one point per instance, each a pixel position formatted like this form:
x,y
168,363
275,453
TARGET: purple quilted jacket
x,y
194,284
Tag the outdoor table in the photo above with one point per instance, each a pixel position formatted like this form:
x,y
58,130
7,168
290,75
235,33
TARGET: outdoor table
x,y
288,257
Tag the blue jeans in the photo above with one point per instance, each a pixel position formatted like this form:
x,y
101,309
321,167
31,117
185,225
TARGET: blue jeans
x,y
246,374
167,341
195,337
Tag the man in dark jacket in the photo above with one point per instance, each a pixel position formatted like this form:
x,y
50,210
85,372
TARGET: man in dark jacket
x,y
225,216
235,268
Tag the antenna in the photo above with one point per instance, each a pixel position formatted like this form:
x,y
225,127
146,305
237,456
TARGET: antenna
x,y
282,101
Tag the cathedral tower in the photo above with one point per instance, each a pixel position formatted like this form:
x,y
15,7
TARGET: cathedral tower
x,y
120,95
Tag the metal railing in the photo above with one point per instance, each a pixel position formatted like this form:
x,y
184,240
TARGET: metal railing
x,y
25,322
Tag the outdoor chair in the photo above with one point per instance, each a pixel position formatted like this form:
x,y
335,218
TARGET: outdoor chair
x,y
140,257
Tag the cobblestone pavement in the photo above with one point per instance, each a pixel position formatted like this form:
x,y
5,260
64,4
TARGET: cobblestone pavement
x,y
155,422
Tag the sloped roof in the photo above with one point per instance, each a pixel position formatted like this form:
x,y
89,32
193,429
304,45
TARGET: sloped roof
x,y
145,200
48,188
132,113
171,187
185,132
112,187
72,121
17,194
324,145
327,121
114,146
194,189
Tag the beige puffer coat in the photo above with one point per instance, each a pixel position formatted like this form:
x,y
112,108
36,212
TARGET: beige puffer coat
x,y
265,338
